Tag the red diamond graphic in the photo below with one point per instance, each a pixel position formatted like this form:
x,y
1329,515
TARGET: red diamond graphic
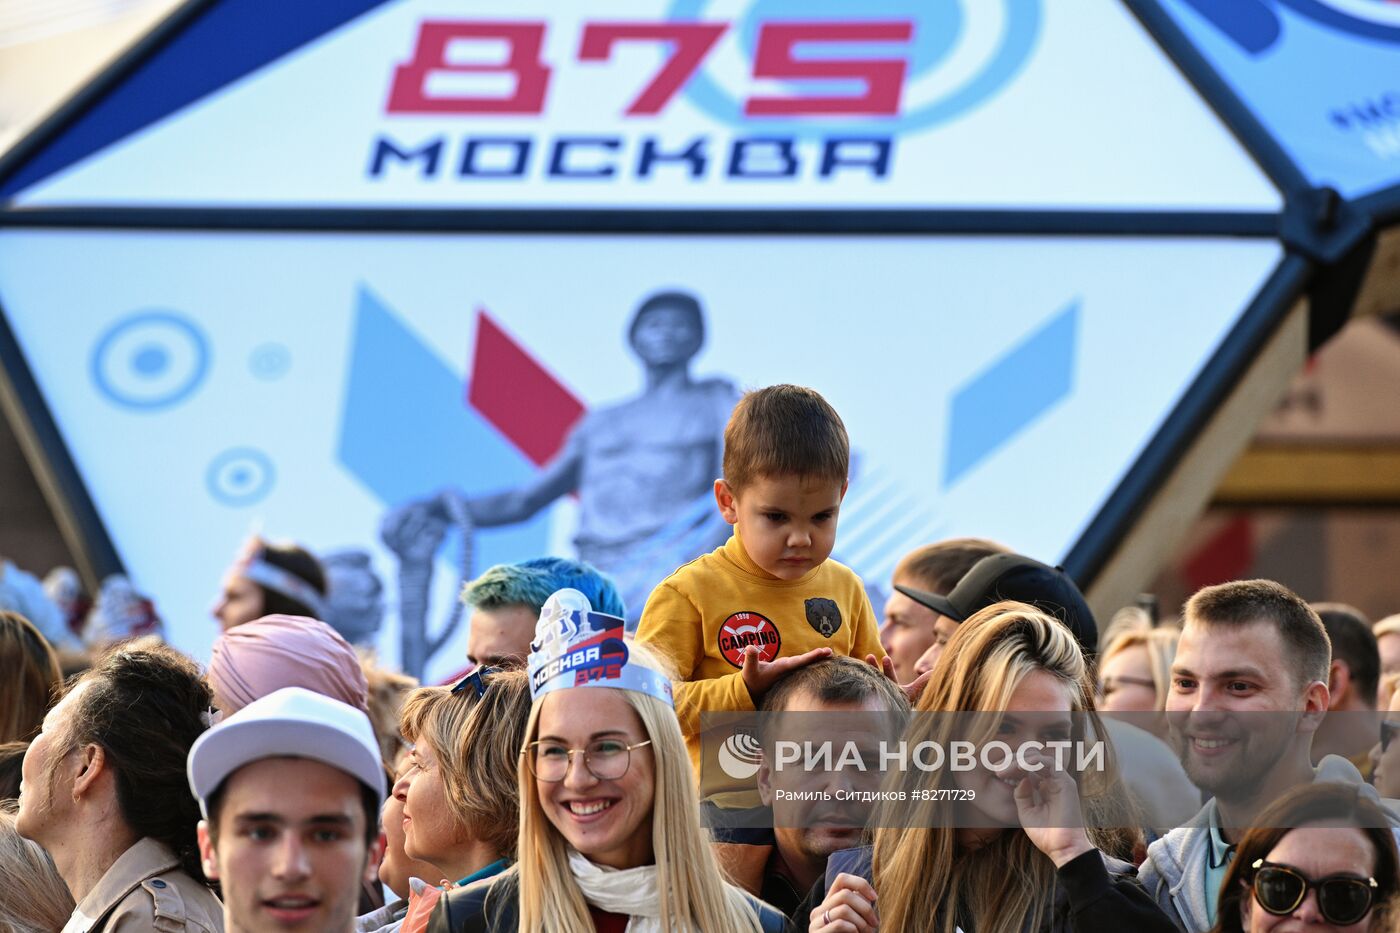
x,y
517,395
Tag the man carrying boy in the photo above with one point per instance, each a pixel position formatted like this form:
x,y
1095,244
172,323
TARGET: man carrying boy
x,y
734,621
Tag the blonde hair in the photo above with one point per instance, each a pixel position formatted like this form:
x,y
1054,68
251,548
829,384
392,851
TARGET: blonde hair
x,y
387,690
33,898
1161,652
29,678
923,882
694,894
1390,625
1389,684
476,741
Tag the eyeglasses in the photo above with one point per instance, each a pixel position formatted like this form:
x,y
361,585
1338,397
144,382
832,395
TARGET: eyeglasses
x,y
1109,684
605,759
1388,731
1342,899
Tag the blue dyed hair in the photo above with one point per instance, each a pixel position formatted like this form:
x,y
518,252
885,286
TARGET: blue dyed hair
x,y
531,582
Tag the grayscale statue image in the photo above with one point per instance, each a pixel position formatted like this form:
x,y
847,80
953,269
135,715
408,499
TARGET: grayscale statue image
x,y
355,595
643,470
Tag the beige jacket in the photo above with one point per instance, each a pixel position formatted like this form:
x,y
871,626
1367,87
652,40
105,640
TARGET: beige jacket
x,y
145,890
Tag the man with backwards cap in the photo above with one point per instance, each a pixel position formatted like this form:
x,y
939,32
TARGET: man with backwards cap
x,y
290,788
1148,766
1010,576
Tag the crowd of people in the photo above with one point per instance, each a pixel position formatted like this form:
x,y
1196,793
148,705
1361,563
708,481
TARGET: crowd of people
x,y
1235,770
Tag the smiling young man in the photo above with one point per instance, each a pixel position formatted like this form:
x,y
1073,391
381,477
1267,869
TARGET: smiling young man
x,y
1249,688
290,789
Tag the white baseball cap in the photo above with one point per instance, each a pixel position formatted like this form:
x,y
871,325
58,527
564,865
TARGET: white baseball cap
x,y
293,723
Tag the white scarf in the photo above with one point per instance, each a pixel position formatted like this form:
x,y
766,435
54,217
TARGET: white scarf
x,y
630,891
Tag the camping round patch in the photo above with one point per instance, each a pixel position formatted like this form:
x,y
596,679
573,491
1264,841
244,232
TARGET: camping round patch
x,y
748,628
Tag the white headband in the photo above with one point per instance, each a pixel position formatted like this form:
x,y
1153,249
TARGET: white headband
x,y
286,583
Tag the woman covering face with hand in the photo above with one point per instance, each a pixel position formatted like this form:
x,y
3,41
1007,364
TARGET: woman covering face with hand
x,y
1017,856
610,838
1321,860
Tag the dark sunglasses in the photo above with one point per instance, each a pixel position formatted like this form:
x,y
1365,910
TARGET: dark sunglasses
x,y
1341,899
1388,730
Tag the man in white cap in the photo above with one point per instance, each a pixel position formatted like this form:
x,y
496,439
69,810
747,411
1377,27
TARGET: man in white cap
x,y
290,788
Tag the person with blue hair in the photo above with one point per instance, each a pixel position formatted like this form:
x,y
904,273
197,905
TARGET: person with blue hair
x,y
506,602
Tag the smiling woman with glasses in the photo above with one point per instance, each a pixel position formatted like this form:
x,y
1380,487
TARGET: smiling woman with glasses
x,y
1322,859
610,835
605,759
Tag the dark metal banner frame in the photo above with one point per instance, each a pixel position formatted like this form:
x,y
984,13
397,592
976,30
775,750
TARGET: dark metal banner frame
x,y
1315,238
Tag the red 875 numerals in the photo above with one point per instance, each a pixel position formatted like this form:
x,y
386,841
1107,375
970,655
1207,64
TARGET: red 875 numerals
x,y
776,56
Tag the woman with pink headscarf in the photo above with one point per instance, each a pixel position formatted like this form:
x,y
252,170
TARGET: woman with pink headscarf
x,y
252,660
256,658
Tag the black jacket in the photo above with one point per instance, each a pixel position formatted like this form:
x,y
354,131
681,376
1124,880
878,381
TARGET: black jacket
x,y
493,906
1093,894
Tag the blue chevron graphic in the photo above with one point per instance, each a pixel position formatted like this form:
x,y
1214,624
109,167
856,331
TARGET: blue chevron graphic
x,y
406,431
1009,395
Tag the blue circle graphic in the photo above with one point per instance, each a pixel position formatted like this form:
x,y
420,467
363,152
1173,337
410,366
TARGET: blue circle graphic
x,y
1329,15
270,361
150,360
240,476
940,25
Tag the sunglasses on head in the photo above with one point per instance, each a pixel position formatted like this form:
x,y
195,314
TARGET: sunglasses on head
x,y
1341,899
476,681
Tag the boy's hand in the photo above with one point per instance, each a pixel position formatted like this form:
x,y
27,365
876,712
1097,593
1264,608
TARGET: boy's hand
x,y
760,675
911,689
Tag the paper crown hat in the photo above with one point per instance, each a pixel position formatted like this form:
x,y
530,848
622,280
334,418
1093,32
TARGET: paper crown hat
x,y
577,647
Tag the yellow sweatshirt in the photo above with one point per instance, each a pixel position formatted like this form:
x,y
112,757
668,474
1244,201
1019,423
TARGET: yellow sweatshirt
x,y
703,615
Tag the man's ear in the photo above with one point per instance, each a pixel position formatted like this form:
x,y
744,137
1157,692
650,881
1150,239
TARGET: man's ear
x,y
1339,684
208,858
1316,700
765,782
1338,679
372,860
727,502
90,765
845,484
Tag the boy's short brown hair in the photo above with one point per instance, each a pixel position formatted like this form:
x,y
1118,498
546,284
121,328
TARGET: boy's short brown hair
x,y
785,430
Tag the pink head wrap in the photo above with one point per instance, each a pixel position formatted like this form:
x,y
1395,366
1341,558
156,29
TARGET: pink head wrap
x,y
254,659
